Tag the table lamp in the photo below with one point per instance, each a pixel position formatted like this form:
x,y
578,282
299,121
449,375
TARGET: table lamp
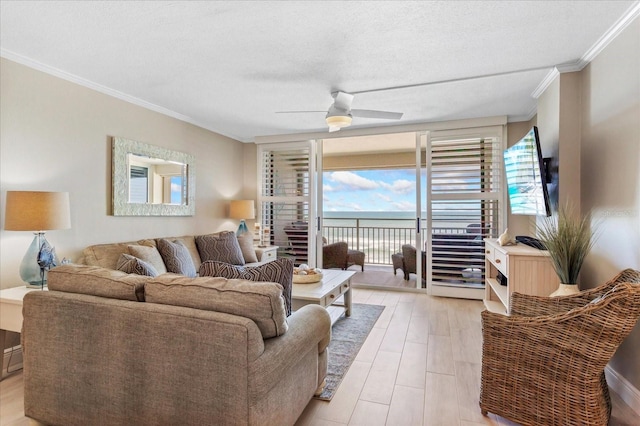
x,y
242,209
38,212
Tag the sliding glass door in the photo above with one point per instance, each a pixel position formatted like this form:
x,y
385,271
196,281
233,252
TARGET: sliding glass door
x,y
287,199
461,204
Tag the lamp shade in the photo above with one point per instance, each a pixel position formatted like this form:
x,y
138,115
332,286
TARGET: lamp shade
x,y
242,209
36,211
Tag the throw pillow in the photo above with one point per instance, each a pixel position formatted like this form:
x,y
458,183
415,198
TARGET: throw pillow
x,y
220,247
279,271
176,257
150,255
133,265
246,246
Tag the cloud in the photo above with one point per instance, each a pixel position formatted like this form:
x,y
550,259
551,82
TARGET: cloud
x,y
342,206
404,205
353,181
400,186
327,188
384,197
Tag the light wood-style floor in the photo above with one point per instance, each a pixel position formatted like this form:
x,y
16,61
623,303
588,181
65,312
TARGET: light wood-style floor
x,y
420,365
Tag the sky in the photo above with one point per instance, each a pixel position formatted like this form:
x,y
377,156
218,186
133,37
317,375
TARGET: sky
x,y
370,190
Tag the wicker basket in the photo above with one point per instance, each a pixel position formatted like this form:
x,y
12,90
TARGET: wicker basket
x,y
306,279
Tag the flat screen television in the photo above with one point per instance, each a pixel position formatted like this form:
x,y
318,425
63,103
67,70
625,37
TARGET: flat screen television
x,y
526,177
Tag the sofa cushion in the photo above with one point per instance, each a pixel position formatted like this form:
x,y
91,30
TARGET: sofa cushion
x,y
150,255
132,265
279,271
176,257
188,241
246,246
106,255
97,281
221,247
261,302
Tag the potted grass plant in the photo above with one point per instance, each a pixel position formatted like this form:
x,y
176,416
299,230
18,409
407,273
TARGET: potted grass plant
x,y
568,238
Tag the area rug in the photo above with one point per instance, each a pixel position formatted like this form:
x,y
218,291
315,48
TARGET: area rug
x,y
347,336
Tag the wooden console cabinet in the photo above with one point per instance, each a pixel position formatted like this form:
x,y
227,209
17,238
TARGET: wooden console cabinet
x,y
527,269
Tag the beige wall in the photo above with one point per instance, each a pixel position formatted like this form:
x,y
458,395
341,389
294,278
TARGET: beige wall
x,y
610,171
569,137
55,136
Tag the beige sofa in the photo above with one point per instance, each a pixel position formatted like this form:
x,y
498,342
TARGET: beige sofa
x,y
103,347
106,255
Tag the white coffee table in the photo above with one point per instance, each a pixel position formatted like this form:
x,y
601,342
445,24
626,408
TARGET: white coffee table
x,y
335,283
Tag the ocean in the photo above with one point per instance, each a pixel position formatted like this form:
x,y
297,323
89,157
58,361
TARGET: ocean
x,y
381,219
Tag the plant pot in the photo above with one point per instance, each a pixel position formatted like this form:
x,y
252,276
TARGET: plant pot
x,y
565,290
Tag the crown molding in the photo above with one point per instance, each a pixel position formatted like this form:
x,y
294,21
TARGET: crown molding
x,y
12,56
627,18
545,83
620,25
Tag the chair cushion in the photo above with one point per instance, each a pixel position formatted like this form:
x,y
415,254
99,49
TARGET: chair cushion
x,y
261,302
220,247
132,265
279,271
97,281
150,255
176,257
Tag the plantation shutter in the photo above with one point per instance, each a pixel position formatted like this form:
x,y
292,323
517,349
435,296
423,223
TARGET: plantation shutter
x,y
465,207
287,208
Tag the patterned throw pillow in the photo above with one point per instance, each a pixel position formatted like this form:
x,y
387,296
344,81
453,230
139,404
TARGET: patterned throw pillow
x,y
279,271
176,257
150,255
246,246
133,265
220,247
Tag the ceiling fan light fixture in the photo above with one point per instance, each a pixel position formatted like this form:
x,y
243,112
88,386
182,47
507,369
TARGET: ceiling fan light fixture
x,y
339,121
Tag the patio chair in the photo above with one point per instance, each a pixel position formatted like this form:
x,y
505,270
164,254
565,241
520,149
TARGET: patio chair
x,y
335,255
409,261
355,257
545,363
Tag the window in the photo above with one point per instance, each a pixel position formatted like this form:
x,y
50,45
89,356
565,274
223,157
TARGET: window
x,y
139,184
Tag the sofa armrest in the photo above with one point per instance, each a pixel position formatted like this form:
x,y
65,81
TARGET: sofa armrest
x,y
309,327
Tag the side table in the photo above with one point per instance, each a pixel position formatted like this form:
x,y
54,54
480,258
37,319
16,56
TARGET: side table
x,y
266,254
11,312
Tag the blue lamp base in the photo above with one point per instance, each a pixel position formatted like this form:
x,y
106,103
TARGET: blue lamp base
x,y
242,228
30,270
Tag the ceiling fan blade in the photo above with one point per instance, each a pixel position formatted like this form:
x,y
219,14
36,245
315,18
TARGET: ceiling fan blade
x,y
343,100
333,129
298,112
369,113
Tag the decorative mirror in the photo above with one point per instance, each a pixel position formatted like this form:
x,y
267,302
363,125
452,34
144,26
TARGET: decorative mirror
x,y
151,181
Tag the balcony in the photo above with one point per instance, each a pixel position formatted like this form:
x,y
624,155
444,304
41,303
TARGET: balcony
x,y
458,252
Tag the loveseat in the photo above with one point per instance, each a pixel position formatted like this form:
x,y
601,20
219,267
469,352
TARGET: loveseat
x,y
104,347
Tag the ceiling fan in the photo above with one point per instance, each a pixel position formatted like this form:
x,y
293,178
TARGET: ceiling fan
x,y
340,113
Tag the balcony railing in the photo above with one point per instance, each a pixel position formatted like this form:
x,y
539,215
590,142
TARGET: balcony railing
x,y
377,238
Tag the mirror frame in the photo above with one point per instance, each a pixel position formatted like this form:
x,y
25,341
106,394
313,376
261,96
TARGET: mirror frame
x,y
120,180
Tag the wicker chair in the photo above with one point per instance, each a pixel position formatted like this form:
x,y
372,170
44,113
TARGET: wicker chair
x,y
335,255
544,364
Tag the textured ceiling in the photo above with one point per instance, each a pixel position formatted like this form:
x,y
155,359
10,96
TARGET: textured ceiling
x,y
229,66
